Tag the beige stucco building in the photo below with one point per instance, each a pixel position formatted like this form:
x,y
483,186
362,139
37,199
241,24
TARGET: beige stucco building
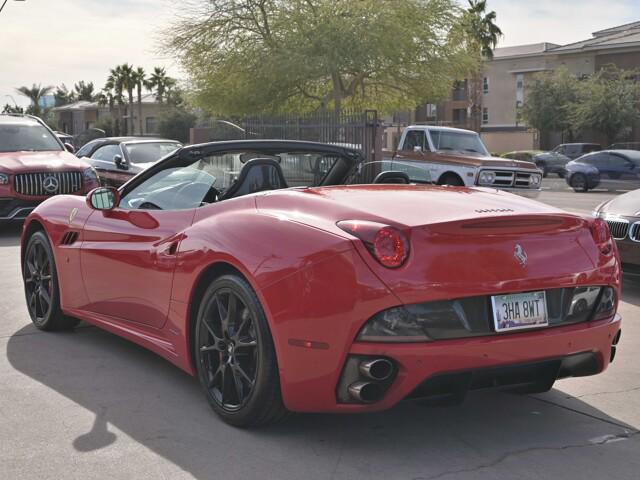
x,y
78,117
506,78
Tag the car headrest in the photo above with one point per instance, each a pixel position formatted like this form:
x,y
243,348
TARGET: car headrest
x,y
392,177
257,175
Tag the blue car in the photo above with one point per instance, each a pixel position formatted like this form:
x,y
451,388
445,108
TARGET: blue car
x,y
608,169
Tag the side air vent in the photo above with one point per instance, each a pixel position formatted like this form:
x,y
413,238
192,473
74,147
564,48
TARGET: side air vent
x,y
69,238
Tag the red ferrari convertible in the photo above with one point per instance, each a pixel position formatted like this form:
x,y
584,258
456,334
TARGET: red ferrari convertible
x,y
263,269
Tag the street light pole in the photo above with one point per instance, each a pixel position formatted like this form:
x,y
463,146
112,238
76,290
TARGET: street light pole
x,y
5,2
12,99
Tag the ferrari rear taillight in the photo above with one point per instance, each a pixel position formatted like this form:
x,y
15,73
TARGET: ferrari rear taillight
x,y
387,244
601,235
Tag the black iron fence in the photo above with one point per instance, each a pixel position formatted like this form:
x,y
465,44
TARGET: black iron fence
x,y
355,129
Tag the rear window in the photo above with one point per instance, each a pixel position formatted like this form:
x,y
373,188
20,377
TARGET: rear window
x,y
31,137
149,152
591,148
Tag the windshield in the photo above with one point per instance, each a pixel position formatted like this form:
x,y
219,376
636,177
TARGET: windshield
x,y
211,179
149,152
458,142
27,138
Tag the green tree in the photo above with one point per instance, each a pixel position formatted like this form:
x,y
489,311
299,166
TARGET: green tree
x,y
175,124
140,79
12,109
63,96
85,91
550,100
608,102
160,83
35,94
127,79
482,35
113,92
248,56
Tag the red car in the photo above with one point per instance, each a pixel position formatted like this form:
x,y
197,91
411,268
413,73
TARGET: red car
x,y
258,268
35,165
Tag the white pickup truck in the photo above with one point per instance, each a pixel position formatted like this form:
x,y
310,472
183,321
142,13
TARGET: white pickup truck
x,y
452,156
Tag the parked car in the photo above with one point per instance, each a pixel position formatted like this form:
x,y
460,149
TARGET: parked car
x,y
622,213
610,169
452,156
117,159
285,290
548,162
66,139
35,165
575,150
625,146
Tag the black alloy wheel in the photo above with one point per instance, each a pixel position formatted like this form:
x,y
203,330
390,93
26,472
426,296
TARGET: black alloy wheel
x,y
235,356
579,182
41,286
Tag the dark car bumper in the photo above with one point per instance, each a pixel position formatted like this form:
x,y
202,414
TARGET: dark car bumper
x,y
629,256
14,209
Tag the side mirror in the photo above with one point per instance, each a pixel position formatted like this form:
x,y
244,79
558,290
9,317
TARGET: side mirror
x,y
103,198
70,148
120,162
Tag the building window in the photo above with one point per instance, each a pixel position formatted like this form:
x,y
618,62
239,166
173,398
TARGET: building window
x,y
152,125
485,115
485,85
520,88
518,112
460,91
459,116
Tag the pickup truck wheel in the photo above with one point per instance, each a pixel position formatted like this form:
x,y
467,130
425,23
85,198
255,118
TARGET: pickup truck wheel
x,y
451,179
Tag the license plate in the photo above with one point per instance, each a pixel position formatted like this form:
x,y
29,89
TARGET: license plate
x,y
520,310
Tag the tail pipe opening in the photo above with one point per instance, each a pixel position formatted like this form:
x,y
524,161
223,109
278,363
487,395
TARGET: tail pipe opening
x,y
365,379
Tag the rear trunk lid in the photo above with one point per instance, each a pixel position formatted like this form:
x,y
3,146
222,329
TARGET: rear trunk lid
x,y
464,242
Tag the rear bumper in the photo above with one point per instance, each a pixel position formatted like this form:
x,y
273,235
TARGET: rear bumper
x,y
418,363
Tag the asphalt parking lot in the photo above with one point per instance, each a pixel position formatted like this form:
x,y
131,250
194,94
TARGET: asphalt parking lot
x,y
89,405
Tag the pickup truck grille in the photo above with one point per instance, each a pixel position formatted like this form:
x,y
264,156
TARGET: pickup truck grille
x,y
45,184
511,179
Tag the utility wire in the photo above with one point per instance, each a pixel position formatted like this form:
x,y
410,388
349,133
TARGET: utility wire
x,y
5,2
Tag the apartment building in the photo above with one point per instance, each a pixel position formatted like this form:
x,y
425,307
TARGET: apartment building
x,y
506,76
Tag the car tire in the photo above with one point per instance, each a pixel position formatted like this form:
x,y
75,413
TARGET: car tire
x,y
545,171
451,179
41,286
578,182
235,356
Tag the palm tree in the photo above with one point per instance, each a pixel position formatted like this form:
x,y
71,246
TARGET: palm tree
x,y
63,96
160,82
140,78
127,77
35,94
84,91
114,86
483,35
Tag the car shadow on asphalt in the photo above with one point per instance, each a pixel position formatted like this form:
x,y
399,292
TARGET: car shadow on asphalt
x,y
162,408
10,234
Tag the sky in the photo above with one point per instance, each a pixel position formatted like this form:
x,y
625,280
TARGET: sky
x,y
52,42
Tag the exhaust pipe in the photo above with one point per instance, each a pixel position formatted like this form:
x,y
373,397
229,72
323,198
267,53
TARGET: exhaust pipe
x,y
378,369
365,392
